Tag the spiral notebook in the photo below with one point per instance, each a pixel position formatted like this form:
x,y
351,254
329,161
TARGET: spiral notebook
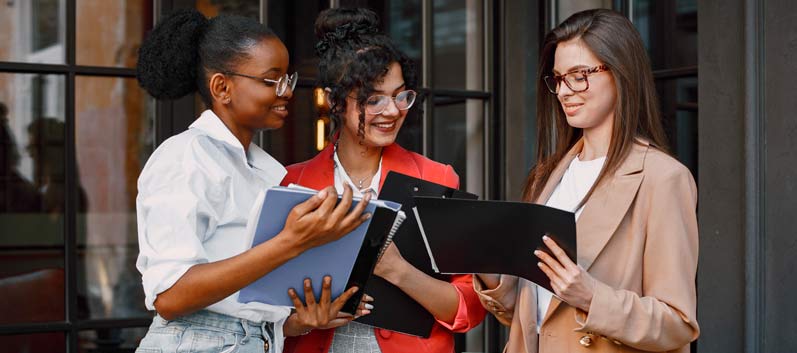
x,y
395,310
350,260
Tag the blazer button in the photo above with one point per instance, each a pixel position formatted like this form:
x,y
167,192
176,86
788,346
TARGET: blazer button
x,y
585,340
385,334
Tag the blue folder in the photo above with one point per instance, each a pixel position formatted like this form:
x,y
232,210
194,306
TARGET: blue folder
x,y
349,260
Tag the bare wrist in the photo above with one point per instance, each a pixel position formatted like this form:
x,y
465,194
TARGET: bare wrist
x,y
287,242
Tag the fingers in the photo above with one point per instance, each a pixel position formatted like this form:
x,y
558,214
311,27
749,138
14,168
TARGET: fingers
x,y
356,217
309,296
550,261
338,303
555,280
334,323
557,251
345,202
311,203
326,290
295,299
329,202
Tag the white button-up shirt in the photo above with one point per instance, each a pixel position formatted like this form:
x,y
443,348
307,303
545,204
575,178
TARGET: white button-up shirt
x,y
341,177
195,196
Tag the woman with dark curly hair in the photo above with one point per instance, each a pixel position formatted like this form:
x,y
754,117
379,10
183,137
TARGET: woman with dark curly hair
x,y
198,188
369,85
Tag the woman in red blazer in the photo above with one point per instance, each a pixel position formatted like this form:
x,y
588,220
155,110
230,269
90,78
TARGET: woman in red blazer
x,y
367,81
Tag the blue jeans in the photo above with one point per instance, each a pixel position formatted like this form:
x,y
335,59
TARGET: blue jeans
x,y
206,331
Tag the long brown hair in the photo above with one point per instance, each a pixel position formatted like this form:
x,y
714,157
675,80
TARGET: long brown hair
x,y
617,44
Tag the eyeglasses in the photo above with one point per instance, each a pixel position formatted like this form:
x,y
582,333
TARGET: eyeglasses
x,y
282,83
376,104
576,80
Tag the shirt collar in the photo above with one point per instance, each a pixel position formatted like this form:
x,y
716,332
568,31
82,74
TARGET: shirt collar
x,y
209,123
344,176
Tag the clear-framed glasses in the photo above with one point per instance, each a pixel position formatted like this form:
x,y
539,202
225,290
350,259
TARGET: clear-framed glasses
x,y
575,80
282,83
376,104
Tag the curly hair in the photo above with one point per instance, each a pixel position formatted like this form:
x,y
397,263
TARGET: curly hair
x,y
185,49
355,55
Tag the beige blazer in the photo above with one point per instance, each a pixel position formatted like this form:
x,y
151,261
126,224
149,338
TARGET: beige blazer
x,y
637,236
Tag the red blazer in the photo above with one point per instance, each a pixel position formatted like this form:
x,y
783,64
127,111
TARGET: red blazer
x,y
318,173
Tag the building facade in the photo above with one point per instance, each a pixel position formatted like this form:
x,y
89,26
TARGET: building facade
x,y
77,129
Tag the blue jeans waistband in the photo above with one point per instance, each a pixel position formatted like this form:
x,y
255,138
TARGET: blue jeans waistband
x,y
228,323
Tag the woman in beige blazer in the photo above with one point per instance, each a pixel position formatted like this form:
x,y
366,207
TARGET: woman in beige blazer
x,y
601,152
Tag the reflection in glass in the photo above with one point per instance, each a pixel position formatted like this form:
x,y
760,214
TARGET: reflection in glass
x,y
51,342
458,139
296,140
566,8
213,8
113,139
110,340
123,25
32,176
678,99
294,23
669,31
401,20
33,31
458,38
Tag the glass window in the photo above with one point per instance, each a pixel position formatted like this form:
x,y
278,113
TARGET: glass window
x,y
296,140
669,30
678,99
294,23
33,31
108,33
458,39
113,139
401,20
458,139
566,8
110,340
32,202
54,342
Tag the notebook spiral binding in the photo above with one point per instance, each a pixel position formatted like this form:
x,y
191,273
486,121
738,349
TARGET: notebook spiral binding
x,y
400,217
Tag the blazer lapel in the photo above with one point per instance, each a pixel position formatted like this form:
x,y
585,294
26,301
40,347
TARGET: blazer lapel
x,y
397,159
605,208
319,171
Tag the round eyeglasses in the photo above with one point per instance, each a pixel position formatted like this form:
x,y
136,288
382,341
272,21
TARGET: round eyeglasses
x,y
377,103
576,80
281,84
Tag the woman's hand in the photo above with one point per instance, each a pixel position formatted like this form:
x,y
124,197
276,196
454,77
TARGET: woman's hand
x,y
324,314
391,264
318,220
569,281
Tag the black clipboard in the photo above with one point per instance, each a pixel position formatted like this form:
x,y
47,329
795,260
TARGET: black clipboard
x,y
470,236
393,309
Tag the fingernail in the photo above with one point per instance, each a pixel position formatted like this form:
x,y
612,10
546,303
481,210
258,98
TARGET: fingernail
x,y
545,237
365,312
327,280
355,289
322,194
367,215
539,264
537,252
369,306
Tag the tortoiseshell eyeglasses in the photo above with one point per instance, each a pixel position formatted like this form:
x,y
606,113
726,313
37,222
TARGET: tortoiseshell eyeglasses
x,y
575,80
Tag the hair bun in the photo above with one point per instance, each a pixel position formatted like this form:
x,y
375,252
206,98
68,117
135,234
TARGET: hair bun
x,y
168,58
344,28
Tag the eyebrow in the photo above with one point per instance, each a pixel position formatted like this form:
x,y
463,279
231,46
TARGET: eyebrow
x,y
273,69
403,84
573,69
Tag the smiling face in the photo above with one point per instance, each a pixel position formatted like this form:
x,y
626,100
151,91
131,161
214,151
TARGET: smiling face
x,y
253,103
593,108
380,129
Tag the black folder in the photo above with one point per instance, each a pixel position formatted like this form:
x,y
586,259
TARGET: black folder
x,y
469,236
393,309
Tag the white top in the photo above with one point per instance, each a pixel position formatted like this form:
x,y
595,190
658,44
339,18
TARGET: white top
x,y
355,334
195,195
342,177
575,183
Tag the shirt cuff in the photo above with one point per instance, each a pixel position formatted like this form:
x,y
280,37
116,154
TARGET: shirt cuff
x,y
157,279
